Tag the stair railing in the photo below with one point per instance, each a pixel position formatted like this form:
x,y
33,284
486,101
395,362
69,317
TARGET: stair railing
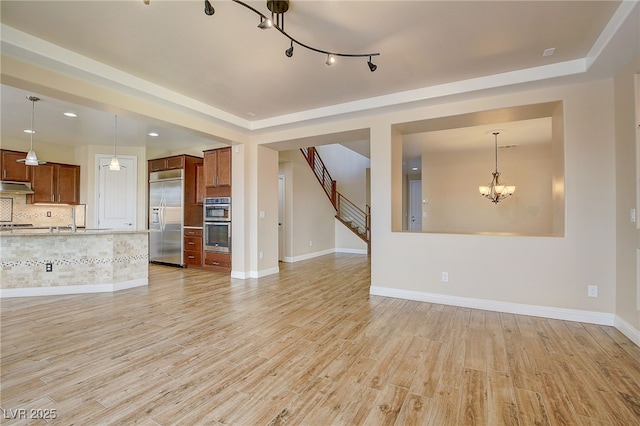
x,y
321,172
353,216
356,219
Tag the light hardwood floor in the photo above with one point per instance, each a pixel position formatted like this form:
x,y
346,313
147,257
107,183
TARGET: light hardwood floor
x,y
309,346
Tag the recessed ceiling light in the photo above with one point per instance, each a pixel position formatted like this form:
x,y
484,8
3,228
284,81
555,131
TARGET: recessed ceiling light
x,y
29,131
153,134
549,51
70,114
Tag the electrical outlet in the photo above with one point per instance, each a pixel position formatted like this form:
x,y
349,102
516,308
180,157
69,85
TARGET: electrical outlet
x,y
48,214
261,255
445,277
310,243
49,267
592,291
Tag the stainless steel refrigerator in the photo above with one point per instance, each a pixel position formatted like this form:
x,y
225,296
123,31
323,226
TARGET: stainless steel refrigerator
x,y
166,218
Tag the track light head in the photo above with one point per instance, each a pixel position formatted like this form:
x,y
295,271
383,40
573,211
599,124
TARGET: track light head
x,y
372,66
208,8
265,24
330,59
289,51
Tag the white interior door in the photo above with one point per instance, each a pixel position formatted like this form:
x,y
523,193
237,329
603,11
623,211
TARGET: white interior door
x,y
415,205
116,193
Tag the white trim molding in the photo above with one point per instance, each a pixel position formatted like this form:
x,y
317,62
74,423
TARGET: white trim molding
x,y
72,289
601,318
627,329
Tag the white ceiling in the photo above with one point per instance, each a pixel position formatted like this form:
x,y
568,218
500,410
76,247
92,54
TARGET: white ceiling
x,y
427,49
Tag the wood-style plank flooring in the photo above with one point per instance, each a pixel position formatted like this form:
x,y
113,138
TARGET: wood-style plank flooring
x,y
309,346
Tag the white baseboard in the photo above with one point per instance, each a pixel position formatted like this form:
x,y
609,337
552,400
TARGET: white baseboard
x,y
72,289
264,272
241,275
591,317
628,330
351,250
308,256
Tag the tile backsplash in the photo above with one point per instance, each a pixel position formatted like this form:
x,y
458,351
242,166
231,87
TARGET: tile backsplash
x,y
14,209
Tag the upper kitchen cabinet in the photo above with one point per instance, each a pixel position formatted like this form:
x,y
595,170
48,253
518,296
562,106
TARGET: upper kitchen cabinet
x,y
55,183
217,172
167,163
11,169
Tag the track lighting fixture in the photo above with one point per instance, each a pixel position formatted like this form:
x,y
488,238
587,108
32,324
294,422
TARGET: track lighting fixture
x,y
330,59
289,51
208,8
372,66
265,23
278,9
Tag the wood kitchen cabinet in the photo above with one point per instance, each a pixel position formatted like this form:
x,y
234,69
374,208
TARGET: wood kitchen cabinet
x,y
217,172
193,247
167,163
217,261
55,183
200,184
11,169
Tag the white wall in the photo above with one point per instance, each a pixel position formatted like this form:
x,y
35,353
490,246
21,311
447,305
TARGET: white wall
x,y
310,215
349,169
450,183
552,272
627,184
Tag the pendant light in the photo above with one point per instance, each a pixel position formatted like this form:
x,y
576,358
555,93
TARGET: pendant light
x,y
114,165
32,158
496,191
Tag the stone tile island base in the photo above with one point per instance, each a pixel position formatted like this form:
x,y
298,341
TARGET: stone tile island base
x,y
80,262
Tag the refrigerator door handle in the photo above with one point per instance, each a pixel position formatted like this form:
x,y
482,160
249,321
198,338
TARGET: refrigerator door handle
x,y
163,219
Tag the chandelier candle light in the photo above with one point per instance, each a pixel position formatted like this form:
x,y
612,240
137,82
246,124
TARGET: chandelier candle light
x,y
496,191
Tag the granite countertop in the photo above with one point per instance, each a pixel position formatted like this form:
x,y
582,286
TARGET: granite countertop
x,y
63,230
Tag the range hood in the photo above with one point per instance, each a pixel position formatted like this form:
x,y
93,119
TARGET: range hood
x,y
16,188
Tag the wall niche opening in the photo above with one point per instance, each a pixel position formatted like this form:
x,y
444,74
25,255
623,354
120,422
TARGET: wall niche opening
x,y
444,160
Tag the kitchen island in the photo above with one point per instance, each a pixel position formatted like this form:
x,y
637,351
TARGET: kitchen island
x,y
52,261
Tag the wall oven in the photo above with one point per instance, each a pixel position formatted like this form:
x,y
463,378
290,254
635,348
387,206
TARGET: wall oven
x,y
217,224
217,209
217,237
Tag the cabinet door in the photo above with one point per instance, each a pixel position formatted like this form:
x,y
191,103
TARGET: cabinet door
x,y
224,167
200,186
68,184
210,167
11,169
157,165
176,162
43,184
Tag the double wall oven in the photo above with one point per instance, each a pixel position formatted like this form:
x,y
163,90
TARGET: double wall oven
x,y
217,224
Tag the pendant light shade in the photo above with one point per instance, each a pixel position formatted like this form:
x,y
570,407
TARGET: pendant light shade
x,y
32,158
114,165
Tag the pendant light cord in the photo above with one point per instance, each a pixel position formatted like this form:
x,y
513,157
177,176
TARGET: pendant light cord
x,y
115,133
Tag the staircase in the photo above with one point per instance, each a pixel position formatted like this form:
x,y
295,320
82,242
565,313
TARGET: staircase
x,y
352,216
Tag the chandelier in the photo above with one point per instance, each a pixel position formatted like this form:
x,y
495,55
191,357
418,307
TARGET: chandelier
x,y
278,9
496,191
